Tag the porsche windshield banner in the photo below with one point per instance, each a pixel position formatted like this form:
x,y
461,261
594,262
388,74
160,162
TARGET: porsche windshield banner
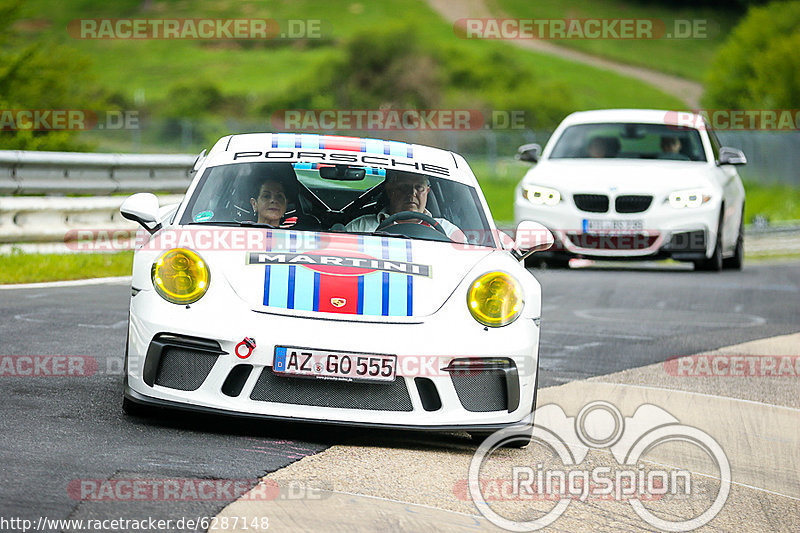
x,y
372,152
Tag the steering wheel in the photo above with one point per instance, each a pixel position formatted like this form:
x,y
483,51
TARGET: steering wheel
x,y
411,215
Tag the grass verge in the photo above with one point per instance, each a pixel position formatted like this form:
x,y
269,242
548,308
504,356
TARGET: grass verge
x,y
762,256
32,268
776,202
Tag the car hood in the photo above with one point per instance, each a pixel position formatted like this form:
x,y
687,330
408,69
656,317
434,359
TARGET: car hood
x,y
620,176
366,277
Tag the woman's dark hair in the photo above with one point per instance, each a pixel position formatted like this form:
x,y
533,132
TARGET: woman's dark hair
x,y
282,173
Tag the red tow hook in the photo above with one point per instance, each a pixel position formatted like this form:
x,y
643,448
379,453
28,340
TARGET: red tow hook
x,y
245,348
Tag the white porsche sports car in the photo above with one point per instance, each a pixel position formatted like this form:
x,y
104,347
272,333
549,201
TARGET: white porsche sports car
x,y
636,184
421,319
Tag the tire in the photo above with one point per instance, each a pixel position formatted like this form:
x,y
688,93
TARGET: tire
x,y
558,263
737,261
713,263
533,261
551,262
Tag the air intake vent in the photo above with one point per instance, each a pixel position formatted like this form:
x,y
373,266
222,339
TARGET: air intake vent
x,y
325,393
632,203
184,368
592,203
481,391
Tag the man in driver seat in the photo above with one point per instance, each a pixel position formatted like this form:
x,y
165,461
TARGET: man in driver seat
x,y
405,191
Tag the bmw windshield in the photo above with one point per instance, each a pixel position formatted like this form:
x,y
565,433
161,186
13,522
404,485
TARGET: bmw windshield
x,y
629,141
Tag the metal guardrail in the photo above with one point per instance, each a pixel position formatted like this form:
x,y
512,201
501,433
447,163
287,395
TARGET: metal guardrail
x,y
48,217
33,188
60,173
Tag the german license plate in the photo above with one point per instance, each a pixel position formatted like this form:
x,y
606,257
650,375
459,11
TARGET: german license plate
x,y
330,364
611,226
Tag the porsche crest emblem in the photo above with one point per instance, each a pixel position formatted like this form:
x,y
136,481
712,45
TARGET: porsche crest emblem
x,y
338,302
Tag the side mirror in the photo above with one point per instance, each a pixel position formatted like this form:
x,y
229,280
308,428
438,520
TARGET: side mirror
x,y
142,208
529,152
731,156
531,237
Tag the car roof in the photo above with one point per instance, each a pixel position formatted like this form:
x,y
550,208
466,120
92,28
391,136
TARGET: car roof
x,y
642,116
364,151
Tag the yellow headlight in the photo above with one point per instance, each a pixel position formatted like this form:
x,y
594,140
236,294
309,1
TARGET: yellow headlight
x,y
495,299
180,276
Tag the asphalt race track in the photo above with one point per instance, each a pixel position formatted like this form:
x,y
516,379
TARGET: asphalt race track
x,y
57,430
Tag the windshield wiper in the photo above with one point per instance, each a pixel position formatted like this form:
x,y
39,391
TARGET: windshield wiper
x,y
232,224
387,234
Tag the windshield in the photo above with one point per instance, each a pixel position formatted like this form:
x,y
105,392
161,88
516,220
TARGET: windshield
x,y
629,141
342,198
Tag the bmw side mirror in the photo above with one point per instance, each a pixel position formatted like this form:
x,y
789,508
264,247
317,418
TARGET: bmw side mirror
x,y
531,237
142,208
731,156
529,152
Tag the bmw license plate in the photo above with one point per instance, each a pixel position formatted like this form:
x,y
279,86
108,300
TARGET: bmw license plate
x,y
330,364
607,226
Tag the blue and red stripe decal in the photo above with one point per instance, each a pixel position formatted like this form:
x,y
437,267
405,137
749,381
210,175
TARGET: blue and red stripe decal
x,y
375,293
347,144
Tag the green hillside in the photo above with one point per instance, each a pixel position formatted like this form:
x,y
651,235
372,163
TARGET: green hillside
x,y
247,79
686,57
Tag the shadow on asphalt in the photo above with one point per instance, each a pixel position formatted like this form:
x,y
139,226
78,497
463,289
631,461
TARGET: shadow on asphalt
x,y
650,267
324,434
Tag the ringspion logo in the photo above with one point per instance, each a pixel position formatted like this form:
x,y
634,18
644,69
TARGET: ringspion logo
x,y
635,478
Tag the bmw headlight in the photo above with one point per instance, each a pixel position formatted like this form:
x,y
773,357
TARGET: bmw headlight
x,y
689,198
495,299
541,195
180,276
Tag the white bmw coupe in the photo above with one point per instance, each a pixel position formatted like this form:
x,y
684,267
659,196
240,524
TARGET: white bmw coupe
x,y
636,184
337,280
